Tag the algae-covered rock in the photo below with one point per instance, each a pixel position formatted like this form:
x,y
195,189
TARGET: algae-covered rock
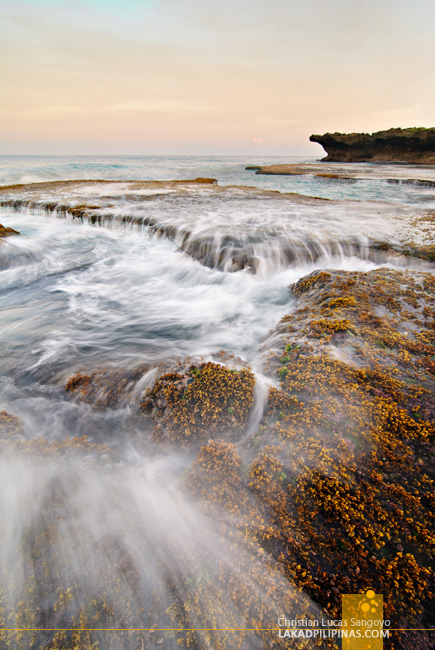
x,y
7,232
354,419
10,426
195,404
15,443
337,483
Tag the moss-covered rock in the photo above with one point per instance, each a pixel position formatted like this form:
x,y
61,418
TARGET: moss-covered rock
x,y
207,399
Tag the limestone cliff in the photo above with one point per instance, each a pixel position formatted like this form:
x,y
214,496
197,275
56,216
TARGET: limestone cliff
x,y
416,145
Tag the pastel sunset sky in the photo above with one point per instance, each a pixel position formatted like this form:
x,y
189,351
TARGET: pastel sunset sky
x,y
210,77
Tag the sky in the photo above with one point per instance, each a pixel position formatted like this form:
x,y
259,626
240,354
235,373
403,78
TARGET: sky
x,y
248,77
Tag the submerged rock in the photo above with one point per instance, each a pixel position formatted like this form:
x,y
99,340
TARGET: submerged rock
x,y
6,232
10,426
415,145
15,442
105,388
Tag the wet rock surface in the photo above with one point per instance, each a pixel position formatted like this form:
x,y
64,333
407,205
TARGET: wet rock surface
x,y
106,388
7,232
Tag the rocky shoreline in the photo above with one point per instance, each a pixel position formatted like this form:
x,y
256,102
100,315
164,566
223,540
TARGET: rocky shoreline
x,y
312,476
234,247
336,483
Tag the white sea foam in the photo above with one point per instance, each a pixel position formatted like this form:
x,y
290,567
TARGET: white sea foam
x,y
80,296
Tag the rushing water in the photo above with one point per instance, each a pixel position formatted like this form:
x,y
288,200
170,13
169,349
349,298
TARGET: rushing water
x,y
75,297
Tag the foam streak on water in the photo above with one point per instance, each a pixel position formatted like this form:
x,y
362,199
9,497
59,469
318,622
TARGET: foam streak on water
x,y
76,296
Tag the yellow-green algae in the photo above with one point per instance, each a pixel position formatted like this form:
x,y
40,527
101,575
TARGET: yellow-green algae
x,y
342,470
207,399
